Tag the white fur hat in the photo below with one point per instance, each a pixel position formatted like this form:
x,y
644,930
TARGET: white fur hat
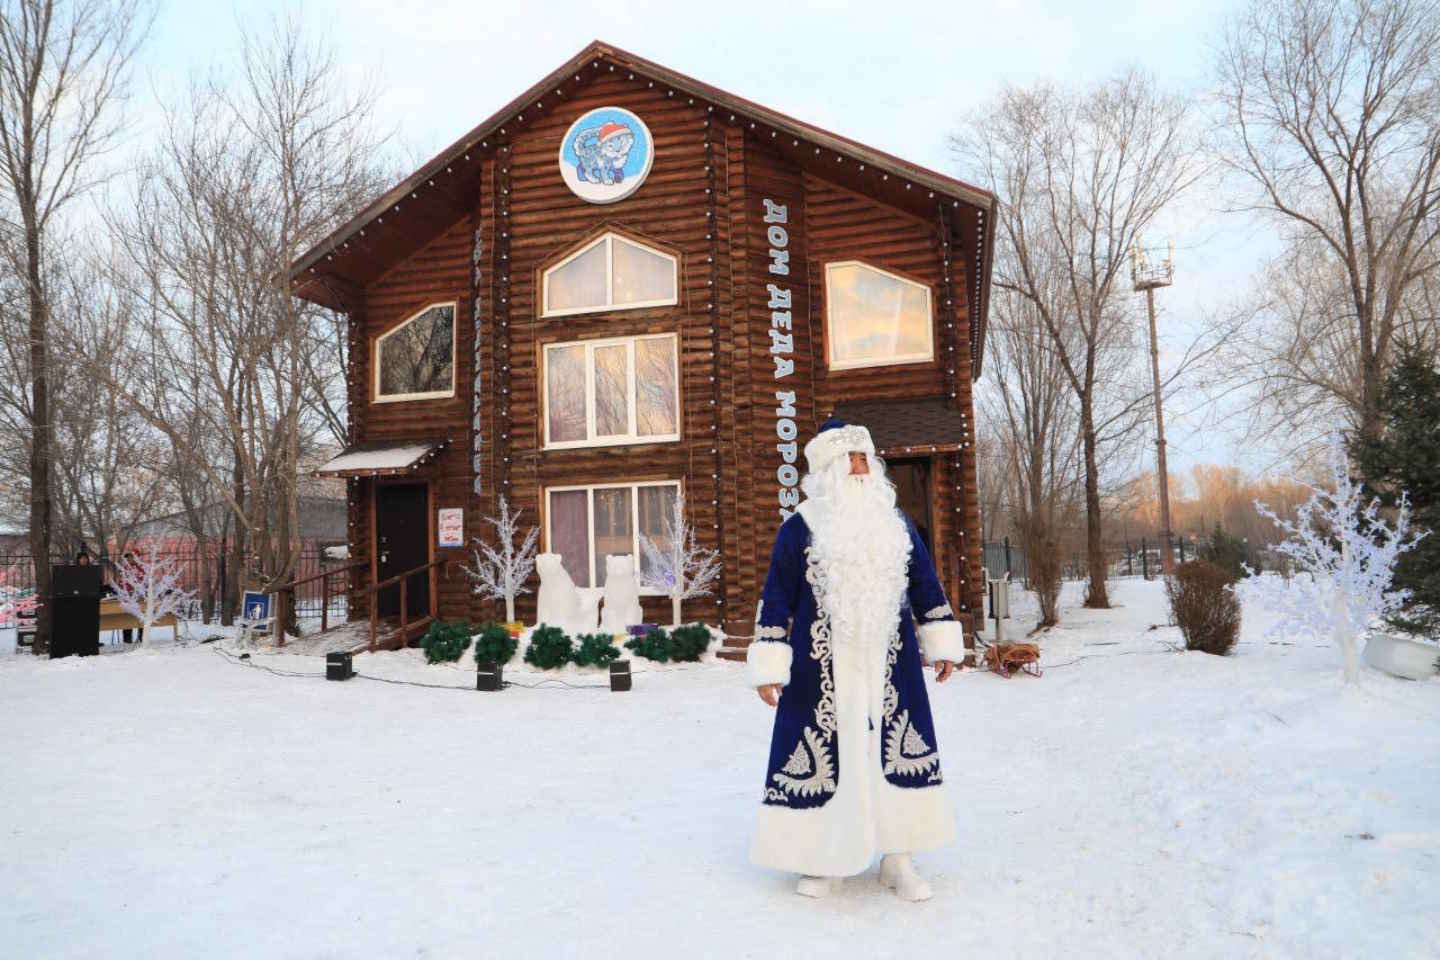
x,y
836,439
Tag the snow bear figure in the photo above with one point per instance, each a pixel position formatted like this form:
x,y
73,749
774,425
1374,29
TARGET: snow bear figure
x,y
560,603
622,595
602,152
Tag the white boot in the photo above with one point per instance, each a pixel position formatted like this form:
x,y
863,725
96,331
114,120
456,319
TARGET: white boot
x,y
816,887
898,873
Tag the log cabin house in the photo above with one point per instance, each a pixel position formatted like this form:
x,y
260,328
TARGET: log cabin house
x,y
627,283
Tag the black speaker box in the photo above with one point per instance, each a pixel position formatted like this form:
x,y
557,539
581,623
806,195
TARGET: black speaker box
x,y
339,666
74,580
74,610
489,675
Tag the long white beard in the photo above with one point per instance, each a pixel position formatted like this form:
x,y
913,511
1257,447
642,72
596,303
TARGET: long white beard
x,y
863,549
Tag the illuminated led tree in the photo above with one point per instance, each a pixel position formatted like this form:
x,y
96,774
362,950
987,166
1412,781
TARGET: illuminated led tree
x,y
678,566
500,572
149,588
1344,554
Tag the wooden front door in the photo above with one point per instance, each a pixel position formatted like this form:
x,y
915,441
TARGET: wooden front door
x,y
402,535
912,495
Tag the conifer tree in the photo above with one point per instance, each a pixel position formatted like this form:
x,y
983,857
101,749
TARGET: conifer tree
x,y
1405,457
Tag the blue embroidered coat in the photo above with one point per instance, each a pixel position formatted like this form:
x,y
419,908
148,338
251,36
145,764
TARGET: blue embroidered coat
x,y
894,735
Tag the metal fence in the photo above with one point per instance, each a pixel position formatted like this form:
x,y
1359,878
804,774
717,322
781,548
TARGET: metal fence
x,y
203,572
1129,558
1001,557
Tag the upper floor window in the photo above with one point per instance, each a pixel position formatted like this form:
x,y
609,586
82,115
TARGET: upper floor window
x,y
610,273
875,318
416,360
621,390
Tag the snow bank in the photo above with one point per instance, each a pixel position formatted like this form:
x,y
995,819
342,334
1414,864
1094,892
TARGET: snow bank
x,y
1132,802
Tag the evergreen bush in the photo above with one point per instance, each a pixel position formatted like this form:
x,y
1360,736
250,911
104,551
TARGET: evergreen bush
x,y
689,642
1230,554
549,648
446,641
596,650
495,643
655,645
1204,605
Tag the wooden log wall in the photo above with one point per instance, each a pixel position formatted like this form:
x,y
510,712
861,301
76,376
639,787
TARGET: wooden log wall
x,y
702,202
437,272
847,226
357,511
539,221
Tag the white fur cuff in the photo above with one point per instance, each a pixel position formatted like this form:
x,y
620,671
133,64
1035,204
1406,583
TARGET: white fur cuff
x,y
767,661
942,640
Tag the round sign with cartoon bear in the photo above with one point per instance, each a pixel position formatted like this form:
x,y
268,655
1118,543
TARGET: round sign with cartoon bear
x,y
606,155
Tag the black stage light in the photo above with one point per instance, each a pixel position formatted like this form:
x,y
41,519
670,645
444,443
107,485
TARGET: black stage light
x,y
338,666
619,676
487,676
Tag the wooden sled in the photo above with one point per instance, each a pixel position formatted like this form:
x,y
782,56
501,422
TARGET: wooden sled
x,y
1007,659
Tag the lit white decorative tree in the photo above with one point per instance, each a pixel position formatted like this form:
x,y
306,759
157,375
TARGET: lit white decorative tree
x,y
1344,554
149,589
680,568
501,573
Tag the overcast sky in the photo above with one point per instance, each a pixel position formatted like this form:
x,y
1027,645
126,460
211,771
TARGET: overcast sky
x,y
897,76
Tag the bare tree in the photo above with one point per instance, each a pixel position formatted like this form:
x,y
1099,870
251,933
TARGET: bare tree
x,y
1079,177
1030,401
1332,115
245,178
108,464
64,69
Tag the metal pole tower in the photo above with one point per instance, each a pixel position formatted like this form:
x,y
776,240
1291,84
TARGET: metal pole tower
x,y
1146,275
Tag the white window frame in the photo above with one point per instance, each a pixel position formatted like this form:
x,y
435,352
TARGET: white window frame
x,y
377,397
590,489
609,304
901,359
631,437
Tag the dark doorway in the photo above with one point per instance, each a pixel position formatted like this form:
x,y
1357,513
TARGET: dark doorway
x,y
402,542
912,494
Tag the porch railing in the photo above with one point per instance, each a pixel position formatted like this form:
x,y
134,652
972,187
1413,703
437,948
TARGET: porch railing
x,y
286,592
403,579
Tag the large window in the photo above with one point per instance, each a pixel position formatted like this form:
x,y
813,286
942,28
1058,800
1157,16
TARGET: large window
x,y
875,318
610,273
586,524
604,392
416,360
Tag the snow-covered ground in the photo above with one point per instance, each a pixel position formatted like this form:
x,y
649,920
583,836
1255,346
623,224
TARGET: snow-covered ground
x,y
1132,802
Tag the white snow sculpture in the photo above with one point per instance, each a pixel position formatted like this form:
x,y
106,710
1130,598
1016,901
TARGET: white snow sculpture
x,y
560,603
622,595
1344,554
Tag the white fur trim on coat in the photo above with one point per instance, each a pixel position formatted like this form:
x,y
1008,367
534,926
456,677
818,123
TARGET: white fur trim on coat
x,y
767,662
942,640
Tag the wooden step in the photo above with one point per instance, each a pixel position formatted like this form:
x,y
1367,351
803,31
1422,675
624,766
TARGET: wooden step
x,y
731,653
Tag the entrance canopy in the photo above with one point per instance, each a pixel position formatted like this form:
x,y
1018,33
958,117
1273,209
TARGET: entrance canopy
x,y
381,458
900,427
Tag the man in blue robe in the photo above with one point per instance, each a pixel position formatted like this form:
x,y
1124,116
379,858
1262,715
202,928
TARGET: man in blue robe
x,y
854,767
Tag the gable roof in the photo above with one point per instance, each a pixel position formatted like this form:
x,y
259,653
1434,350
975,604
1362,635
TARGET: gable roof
x,y
335,270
